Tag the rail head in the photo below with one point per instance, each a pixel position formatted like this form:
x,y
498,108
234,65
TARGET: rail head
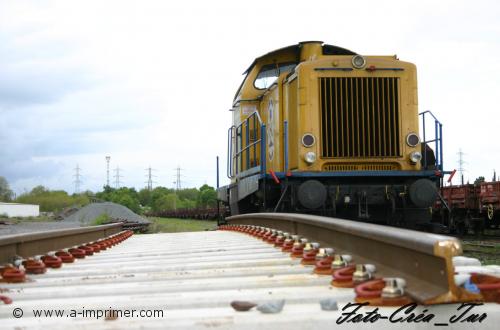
x,y
424,260
31,244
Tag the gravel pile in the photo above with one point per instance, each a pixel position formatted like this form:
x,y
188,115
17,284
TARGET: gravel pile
x,y
87,214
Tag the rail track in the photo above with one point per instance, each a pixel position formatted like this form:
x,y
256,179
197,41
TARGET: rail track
x,y
316,266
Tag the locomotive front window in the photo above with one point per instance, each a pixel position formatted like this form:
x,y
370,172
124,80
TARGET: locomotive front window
x,y
270,72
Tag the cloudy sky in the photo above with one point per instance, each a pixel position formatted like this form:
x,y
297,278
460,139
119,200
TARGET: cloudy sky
x,y
149,83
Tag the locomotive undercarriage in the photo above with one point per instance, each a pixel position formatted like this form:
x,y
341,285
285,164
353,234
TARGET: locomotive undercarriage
x,y
363,199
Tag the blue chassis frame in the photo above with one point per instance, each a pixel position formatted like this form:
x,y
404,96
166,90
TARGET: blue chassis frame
x,y
421,174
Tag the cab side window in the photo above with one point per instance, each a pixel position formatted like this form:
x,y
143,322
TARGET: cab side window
x,y
269,73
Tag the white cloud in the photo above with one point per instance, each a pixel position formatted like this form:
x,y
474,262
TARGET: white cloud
x,y
150,82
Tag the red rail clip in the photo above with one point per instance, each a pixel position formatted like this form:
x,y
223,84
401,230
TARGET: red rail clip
x,y
309,254
65,257
12,274
324,266
342,277
88,250
297,250
371,292
77,253
6,300
52,261
33,266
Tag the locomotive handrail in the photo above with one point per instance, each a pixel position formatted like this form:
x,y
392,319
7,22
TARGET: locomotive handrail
x,y
423,260
430,113
234,157
263,149
285,145
248,146
256,114
438,140
229,163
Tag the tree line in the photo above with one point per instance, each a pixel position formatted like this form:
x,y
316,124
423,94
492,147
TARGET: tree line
x,y
157,200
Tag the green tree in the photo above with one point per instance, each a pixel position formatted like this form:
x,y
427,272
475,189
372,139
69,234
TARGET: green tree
x,y
186,204
160,198
207,197
81,199
188,194
52,201
128,201
160,203
39,191
167,202
145,197
157,198
125,196
5,192
479,180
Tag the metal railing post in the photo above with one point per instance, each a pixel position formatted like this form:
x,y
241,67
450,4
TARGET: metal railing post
x,y
263,156
247,143
441,165
255,139
240,139
263,149
229,164
285,137
438,140
424,140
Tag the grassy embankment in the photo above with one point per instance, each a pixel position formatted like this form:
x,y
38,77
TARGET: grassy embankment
x,y
158,225
166,225
486,251
170,225
15,220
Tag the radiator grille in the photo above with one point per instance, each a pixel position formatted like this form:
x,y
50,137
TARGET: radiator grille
x,y
359,167
359,117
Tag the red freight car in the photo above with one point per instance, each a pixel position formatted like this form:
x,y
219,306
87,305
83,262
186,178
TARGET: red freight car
x,y
469,207
489,198
461,197
463,202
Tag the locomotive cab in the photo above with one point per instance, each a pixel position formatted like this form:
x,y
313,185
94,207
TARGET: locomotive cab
x,y
320,129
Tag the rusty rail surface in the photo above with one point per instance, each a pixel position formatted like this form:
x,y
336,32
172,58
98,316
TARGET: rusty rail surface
x,y
424,260
27,245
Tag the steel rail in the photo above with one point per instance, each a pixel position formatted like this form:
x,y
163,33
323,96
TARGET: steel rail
x,y
424,260
194,280
28,245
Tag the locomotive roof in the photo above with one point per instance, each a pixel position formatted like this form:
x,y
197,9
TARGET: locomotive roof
x,y
295,49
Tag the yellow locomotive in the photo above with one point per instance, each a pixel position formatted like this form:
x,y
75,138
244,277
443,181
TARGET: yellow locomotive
x,y
320,129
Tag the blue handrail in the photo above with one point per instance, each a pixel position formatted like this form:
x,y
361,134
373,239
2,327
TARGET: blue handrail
x,y
229,168
244,146
263,149
285,138
438,140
